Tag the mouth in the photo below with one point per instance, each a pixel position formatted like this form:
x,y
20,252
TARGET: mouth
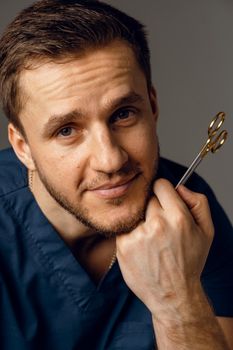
x,y
111,191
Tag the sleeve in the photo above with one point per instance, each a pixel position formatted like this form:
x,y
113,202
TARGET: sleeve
x,y
217,276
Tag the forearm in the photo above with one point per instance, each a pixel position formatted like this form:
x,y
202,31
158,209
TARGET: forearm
x,y
167,252
192,326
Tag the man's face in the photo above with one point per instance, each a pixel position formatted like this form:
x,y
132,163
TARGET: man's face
x,y
91,128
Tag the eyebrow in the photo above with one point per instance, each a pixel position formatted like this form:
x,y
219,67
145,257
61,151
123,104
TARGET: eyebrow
x,y
131,97
58,120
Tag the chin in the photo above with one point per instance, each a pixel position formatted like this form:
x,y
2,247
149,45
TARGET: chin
x,y
117,221
116,215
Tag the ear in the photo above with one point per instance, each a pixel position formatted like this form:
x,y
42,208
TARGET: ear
x,y
20,146
153,102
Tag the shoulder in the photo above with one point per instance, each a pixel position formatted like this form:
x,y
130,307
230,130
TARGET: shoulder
x,y
16,202
170,170
217,274
13,174
173,172
13,192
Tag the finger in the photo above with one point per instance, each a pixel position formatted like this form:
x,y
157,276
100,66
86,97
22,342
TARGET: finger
x,y
153,207
167,196
199,208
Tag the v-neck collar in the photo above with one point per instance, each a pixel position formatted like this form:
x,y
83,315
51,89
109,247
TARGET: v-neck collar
x,y
55,260
53,257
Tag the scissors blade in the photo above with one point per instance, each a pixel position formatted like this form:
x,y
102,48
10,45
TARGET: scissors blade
x,y
190,169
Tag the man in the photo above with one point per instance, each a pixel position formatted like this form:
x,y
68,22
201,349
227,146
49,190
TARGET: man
x,y
98,250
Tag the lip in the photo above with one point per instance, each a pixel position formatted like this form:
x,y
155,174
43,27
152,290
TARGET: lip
x,y
110,191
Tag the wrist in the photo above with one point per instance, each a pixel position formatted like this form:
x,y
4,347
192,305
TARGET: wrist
x,y
183,305
188,323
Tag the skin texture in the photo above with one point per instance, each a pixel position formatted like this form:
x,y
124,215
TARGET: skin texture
x,y
104,141
94,155
169,271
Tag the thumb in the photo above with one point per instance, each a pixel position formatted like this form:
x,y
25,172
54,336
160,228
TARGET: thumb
x,y
199,208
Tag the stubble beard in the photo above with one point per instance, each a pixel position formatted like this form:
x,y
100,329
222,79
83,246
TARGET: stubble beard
x,y
84,216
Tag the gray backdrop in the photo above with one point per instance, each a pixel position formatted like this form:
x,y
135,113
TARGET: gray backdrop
x,y
192,58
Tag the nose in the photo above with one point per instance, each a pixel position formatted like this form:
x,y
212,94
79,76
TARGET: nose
x,y
107,154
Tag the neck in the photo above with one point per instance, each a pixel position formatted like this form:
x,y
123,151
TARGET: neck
x,y
96,254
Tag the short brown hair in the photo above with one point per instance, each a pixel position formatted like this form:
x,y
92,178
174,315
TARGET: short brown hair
x,y
55,29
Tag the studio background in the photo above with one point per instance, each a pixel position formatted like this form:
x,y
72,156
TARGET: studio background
x,y
192,61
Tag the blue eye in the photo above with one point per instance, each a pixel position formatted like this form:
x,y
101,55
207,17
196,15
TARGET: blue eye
x,y
67,131
124,116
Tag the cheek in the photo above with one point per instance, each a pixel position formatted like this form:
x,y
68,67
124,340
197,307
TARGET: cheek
x,y
58,167
145,144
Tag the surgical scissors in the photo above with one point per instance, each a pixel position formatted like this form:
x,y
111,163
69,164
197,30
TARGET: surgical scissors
x,y
213,143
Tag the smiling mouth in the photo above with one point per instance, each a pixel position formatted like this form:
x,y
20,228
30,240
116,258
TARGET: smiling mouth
x,y
110,192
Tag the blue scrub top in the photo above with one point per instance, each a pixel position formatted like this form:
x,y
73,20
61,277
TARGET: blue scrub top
x,y
48,301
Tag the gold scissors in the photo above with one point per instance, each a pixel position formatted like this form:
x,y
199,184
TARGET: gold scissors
x,y
213,143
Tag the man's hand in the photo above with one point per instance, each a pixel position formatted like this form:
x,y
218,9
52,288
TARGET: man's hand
x,y
163,257
162,260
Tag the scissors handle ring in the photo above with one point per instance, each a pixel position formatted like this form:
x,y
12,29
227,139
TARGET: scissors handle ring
x,y
218,141
213,128
213,143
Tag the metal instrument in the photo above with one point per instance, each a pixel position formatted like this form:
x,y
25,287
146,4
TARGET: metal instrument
x,y
214,142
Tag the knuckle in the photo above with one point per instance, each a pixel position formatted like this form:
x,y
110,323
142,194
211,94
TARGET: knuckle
x,y
159,227
202,199
161,183
180,221
140,234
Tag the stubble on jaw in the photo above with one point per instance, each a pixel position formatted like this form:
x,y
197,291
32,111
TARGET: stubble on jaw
x,y
86,218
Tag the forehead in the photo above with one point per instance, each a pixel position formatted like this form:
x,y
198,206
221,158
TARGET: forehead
x,y
98,73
